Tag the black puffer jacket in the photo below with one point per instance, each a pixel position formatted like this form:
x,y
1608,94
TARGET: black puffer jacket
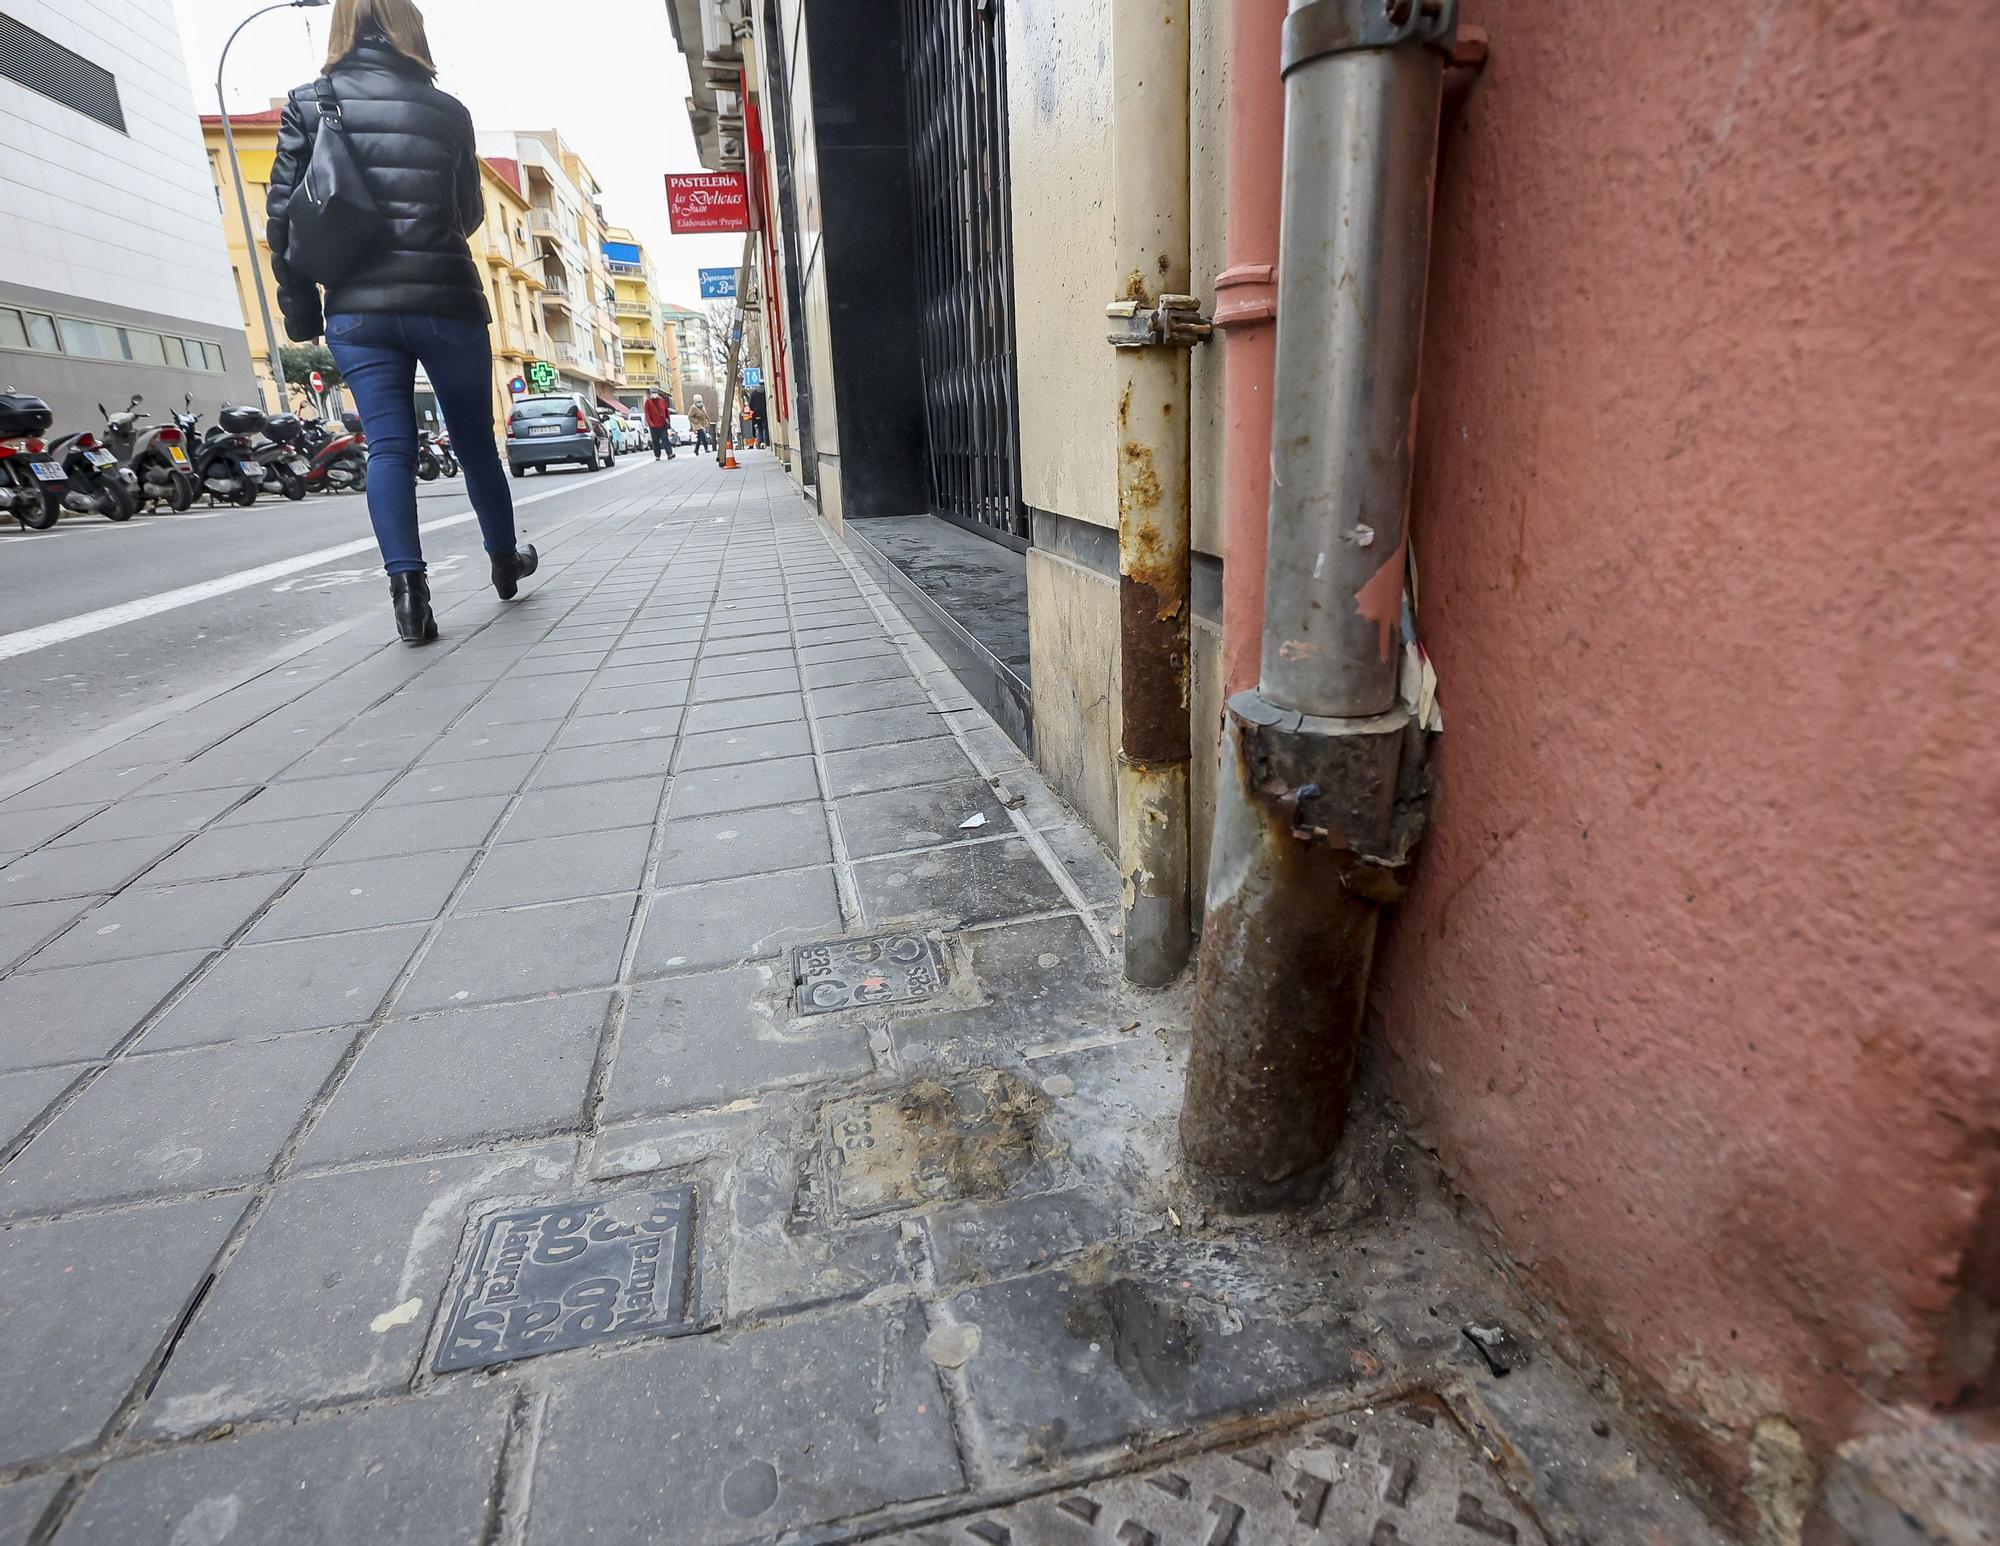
x,y
414,146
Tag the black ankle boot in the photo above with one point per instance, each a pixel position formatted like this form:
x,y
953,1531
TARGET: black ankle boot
x,y
510,569
410,595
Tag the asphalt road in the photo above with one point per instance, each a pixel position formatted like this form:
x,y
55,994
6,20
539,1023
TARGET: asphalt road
x,y
94,628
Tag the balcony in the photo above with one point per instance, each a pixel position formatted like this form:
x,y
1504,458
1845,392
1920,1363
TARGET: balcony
x,y
556,298
634,309
543,222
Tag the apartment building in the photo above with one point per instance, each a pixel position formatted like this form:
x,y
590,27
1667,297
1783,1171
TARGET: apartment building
x,y
634,300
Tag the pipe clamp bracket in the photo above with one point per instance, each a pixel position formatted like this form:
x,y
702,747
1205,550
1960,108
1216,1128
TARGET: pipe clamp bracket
x,y
1175,323
1322,27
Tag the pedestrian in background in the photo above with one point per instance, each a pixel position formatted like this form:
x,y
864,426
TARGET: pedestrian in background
x,y
698,422
659,417
759,419
416,298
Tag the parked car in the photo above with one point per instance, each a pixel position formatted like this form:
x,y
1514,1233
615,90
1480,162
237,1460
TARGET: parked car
x,y
625,432
559,427
680,429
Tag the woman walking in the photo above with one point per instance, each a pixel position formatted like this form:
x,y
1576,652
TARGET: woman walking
x,y
416,296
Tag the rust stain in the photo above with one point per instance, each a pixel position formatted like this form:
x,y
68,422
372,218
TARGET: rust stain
x,y
1153,675
1138,482
1135,287
1380,600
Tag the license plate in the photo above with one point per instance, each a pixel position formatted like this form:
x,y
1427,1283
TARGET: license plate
x,y
48,472
102,459
299,465
180,457
254,469
545,429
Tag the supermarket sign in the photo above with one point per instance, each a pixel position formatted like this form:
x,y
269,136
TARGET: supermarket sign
x,y
707,201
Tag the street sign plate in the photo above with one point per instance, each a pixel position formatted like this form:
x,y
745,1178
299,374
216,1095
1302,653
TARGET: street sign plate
x,y
844,973
753,375
718,284
318,381
571,1273
517,386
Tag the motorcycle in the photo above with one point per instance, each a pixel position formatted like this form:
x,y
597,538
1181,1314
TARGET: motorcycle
x,y
446,455
32,484
284,468
225,460
430,466
155,455
98,484
339,462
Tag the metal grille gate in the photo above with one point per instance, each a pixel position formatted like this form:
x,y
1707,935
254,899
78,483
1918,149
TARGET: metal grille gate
x,y
957,97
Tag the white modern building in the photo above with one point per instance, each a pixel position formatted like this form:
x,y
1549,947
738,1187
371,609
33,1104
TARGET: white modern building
x,y
114,278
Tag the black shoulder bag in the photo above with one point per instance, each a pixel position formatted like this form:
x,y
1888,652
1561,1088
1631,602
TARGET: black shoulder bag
x,y
334,219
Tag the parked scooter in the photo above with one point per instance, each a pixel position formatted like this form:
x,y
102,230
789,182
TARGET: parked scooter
x,y
98,484
225,460
285,468
430,465
155,455
339,462
446,455
32,484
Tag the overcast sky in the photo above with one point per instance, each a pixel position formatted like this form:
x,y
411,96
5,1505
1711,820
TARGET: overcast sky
x,y
604,72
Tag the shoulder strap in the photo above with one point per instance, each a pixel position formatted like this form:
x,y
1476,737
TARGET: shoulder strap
x,y
329,104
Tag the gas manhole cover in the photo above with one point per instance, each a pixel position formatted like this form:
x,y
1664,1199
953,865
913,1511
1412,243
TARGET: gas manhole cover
x,y
976,1137
1397,1477
845,973
571,1273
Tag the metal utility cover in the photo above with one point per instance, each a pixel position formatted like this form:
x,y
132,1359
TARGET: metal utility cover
x,y
844,973
1404,1477
978,1137
571,1273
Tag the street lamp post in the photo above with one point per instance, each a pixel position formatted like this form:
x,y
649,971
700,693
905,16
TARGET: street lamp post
x,y
243,199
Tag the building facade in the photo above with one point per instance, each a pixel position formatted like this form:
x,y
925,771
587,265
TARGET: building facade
x,y
645,358
1668,994
128,289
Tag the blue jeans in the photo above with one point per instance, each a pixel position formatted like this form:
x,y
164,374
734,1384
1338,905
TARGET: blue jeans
x,y
378,352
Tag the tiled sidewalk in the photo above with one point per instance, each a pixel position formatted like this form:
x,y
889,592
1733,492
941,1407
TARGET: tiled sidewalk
x,y
395,973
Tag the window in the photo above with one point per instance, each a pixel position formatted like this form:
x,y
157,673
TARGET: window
x,y
174,351
13,329
89,340
213,352
92,340
45,66
143,348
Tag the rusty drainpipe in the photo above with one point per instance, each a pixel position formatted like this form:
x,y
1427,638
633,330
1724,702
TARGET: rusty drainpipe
x,y
1246,313
1320,795
1153,322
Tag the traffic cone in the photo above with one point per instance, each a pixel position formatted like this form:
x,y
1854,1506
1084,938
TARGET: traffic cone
x,y
729,463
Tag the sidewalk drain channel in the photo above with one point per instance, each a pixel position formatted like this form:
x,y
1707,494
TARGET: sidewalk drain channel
x,y
1392,1477
568,1274
848,973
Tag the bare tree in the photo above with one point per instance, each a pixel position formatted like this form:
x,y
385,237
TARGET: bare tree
x,y
721,317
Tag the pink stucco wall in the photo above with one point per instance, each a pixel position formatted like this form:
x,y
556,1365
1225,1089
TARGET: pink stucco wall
x,y
1698,992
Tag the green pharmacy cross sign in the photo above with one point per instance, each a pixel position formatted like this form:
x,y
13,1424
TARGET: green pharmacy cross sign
x,y
542,376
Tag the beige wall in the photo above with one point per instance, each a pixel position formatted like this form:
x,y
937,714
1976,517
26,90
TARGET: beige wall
x,y
812,283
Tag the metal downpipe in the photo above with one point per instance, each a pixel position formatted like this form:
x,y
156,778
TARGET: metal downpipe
x,y
1152,324
1320,794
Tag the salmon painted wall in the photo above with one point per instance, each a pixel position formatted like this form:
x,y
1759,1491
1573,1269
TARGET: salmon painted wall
x,y
1698,992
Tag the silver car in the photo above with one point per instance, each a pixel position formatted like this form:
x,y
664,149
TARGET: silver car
x,y
542,431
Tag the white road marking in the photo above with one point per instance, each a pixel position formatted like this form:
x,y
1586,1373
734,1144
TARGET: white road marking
x,y
84,624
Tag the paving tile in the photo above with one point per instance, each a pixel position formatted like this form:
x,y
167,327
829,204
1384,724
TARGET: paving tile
x,y
654,698
707,1040
202,914
89,783
177,1122
462,1078
296,985
917,762
79,1320
381,757
89,869
408,829
769,1431
263,848
879,727
624,802
783,837
1164,1337
367,894
415,1474
847,649
630,725
21,830
378,1247
928,816
476,742
25,1096
750,743
492,956
643,674
596,764
778,708
537,698
1043,981
430,782
27,926
722,922
346,793
1084,858
82,1012
559,869
860,697
650,654
972,883
709,791
845,673
726,662
21,1505
147,815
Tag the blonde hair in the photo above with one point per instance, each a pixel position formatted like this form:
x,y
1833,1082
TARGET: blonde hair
x,y
397,20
